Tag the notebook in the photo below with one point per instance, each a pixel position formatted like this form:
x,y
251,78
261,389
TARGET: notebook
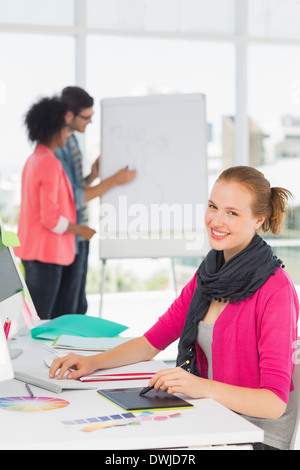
x,y
138,371
130,400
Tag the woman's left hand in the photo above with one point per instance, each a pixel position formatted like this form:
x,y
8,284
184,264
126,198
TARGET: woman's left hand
x,y
179,380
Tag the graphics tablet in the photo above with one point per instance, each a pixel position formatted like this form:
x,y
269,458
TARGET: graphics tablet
x,y
130,400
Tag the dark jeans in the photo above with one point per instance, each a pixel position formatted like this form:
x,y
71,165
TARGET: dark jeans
x,y
72,296
43,281
58,290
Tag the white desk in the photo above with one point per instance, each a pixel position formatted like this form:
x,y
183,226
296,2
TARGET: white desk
x,y
208,423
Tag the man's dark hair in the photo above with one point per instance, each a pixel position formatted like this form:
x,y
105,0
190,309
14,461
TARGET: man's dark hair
x,y
45,118
76,99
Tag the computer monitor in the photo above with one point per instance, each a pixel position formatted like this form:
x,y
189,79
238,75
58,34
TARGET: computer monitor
x,y
11,283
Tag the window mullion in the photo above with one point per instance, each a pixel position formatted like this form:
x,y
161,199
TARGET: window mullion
x,y
241,154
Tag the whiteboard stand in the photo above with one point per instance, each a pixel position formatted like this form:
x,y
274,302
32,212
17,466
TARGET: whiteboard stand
x,y
174,276
104,266
102,284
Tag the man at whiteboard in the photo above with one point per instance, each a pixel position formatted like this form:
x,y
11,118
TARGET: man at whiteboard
x,y
80,105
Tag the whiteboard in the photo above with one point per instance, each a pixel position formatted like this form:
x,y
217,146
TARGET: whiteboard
x,y
160,213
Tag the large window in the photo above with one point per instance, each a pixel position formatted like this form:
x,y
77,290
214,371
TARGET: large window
x,y
243,54
274,110
35,12
127,67
31,66
274,18
274,105
191,16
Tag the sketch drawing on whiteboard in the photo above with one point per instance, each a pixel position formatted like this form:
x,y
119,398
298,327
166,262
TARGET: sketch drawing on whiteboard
x,y
137,149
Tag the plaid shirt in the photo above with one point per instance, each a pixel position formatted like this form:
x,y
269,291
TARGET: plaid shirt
x,y
78,159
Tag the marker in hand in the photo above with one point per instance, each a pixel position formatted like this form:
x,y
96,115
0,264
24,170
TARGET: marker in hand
x,y
147,389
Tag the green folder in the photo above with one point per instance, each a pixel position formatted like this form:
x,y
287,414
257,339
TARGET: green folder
x,y
77,325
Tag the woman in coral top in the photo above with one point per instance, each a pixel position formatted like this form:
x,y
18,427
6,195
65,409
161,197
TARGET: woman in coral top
x,y
236,319
47,223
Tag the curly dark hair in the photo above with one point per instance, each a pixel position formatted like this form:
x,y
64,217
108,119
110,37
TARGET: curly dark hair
x,y
45,119
76,99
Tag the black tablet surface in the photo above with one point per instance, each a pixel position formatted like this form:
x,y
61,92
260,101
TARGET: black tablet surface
x,y
129,399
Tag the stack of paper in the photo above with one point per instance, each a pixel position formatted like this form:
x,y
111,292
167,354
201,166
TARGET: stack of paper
x,y
87,344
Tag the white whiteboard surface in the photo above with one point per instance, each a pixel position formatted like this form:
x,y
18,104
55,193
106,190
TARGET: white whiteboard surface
x,y
160,213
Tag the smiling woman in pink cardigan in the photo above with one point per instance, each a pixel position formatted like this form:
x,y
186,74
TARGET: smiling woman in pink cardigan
x,y
236,319
47,223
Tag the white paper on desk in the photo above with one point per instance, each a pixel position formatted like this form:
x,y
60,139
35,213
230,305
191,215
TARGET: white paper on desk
x,y
147,368
88,344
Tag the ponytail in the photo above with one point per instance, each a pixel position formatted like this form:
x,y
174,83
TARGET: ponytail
x,y
278,202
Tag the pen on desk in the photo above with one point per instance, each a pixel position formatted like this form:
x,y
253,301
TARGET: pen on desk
x,y
29,391
147,389
52,351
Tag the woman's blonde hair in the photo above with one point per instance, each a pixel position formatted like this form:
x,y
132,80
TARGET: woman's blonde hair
x,y
268,202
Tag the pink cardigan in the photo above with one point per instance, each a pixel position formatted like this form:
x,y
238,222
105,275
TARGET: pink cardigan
x,y
47,206
252,340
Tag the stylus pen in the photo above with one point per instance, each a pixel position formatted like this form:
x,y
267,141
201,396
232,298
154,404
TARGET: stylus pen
x,y
29,390
147,389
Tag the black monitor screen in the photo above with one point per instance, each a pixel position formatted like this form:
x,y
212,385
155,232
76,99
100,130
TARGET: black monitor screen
x,y
10,283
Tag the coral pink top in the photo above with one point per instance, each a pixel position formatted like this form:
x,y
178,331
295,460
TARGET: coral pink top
x,y
47,208
253,340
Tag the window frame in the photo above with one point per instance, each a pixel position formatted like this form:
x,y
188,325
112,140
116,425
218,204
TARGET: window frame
x,y
241,40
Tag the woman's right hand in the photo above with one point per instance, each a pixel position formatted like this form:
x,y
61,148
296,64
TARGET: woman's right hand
x,y
124,176
83,230
86,232
81,366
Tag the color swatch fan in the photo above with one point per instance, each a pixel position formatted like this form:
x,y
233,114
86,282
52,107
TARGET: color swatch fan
x,y
32,404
